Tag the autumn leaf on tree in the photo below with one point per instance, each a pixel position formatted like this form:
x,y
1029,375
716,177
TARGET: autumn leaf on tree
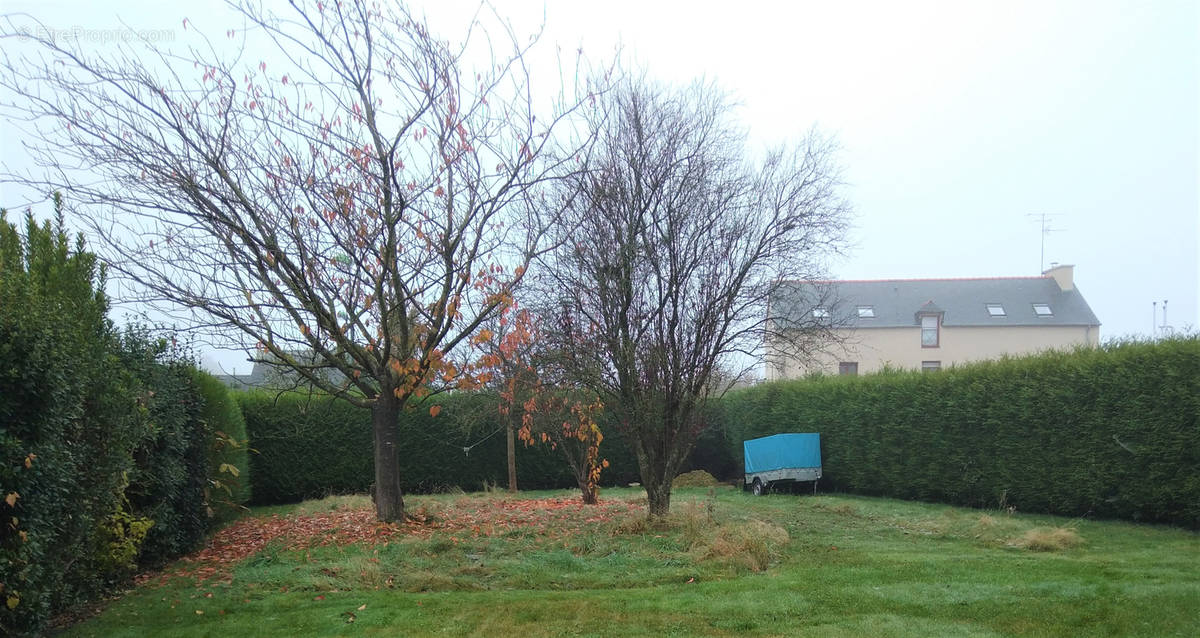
x,y
339,218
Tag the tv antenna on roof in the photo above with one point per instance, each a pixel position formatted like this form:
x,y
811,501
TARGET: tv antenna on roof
x,y
1165,328
1045,219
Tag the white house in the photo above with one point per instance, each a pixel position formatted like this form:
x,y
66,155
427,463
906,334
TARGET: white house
x,y
929,324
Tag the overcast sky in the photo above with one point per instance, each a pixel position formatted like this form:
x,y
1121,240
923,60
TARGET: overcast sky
x,y
958,121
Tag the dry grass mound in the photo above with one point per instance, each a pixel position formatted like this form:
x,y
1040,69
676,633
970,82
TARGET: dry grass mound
x,y
1048,539
1008,532
747,544
631,525
736,544
695,478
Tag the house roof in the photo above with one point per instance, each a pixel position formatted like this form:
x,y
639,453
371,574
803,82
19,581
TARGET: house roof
x,y
256,379
897,303
264,375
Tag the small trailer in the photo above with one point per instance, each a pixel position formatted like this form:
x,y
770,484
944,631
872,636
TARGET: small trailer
x,y
782,457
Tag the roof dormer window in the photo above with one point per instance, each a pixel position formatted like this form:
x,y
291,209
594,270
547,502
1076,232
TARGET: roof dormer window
x,y
930,331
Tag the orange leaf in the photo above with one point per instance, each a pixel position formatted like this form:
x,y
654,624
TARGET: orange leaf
x,y
435,410
11,499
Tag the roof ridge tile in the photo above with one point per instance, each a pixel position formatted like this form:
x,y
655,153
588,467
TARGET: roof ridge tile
x,y
879,281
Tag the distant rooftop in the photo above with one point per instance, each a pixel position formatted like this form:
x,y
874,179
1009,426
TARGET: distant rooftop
x,y
265,376
977,301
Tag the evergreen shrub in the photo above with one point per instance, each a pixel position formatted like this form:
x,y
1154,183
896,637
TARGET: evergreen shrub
x,y
67,425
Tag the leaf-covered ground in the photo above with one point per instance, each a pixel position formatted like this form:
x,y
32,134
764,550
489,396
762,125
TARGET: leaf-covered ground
x,y
355,524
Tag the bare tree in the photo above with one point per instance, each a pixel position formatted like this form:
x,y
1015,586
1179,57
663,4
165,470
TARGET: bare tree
x,y
351,206
677,244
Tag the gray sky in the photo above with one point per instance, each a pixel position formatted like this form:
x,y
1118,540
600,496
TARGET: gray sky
x,y
958,121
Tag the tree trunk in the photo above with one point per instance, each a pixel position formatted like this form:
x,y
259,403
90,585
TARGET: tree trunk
x,y
512,456
658,496
589,491
656,479
586,487
389,501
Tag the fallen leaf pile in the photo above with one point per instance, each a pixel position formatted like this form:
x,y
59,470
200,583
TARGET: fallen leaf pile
x,y
247,536
551,518
547,517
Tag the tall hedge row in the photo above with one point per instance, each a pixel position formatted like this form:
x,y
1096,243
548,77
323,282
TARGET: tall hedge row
x,y
104,448
170,472
1109,432
311,446
66,427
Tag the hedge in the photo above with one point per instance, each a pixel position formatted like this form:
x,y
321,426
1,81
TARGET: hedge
x,y
227,447
170,474
309,446
66,426
1110,432
103,451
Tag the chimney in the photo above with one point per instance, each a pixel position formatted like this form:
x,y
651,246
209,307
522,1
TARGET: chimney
x,y
1064,276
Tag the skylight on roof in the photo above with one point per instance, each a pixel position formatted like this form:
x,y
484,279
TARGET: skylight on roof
x,y
995,310
820,313
866,312
1042,309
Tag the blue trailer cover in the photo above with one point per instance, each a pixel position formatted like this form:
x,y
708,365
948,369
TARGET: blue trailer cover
x,y
782,451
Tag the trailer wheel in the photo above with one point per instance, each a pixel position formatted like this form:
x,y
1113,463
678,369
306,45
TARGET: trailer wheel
x,y
757,488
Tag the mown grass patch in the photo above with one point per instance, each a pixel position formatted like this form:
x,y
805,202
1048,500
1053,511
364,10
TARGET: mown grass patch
x,y
723,564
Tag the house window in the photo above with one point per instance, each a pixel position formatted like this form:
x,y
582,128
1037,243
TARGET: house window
x,y
931,366
1042,309
929,331
820,313
866,312
995,310
849,368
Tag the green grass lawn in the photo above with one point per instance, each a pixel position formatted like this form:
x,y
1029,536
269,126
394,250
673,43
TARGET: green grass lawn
x,y
728,564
